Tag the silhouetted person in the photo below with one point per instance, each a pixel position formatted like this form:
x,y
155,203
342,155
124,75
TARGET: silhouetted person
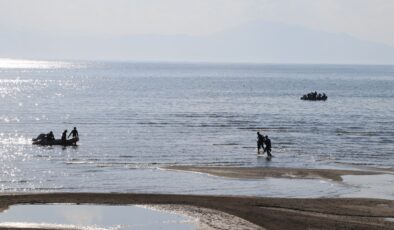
x,y
260,142
50,136
74,133
64,137
40,137
268,146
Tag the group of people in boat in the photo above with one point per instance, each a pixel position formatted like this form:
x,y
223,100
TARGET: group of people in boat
x,y
314,96
263,142
50,138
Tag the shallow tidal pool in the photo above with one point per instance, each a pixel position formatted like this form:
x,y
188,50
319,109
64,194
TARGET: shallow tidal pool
x,y
71,216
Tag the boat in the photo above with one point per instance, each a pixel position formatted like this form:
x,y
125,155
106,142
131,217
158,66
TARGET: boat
x,y
72,141
314,96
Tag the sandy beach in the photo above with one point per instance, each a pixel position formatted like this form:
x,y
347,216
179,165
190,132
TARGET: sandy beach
x,y
261,173
243,212
268,213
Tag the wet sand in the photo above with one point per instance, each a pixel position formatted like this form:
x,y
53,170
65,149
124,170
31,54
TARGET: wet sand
x,y
260,173
269,213
241,212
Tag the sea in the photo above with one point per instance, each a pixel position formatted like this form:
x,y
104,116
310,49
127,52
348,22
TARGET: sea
x,y
134,119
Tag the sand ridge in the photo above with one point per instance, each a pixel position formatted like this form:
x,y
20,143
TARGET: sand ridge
x,y
276,172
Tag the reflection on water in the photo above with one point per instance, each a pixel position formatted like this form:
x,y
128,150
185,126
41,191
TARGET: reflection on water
x,y
6,63
371,186
134,116
59,216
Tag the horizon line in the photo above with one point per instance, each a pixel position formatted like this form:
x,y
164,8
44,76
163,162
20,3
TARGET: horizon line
x,y
188,62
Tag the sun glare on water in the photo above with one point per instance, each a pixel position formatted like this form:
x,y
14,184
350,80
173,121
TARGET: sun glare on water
x,y
31,64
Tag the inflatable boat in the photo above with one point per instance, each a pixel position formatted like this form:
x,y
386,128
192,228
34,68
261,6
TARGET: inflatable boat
x,y
72,141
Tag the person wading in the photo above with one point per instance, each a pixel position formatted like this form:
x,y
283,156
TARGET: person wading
x,y
268,147
74,133
260,142
64,137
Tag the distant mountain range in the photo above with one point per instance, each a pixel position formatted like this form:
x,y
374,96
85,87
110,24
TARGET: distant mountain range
x,y
257,41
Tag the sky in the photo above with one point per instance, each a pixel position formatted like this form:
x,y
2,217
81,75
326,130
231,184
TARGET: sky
x,y
371,20
366,20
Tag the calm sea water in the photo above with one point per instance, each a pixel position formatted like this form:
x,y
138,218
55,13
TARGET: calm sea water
x,y
136,117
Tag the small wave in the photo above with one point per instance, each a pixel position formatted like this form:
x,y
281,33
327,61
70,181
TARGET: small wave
x,y
286,143
364,133
226,144
126,156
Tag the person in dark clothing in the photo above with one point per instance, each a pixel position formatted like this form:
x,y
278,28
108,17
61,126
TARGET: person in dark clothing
x,y
260,142
40,137
50,136
268,146
74,133
64,137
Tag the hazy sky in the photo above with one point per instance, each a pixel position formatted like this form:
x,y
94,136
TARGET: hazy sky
x,y
371,20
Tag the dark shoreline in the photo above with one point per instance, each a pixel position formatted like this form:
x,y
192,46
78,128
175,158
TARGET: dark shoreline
x,y
270,213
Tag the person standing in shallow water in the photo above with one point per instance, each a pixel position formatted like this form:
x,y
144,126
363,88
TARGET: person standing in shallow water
x,y
260,142
74,133
268,146
64,137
